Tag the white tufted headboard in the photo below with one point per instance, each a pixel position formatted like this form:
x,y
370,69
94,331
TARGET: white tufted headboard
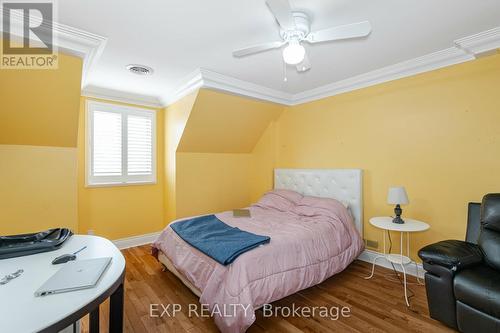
x,y
341,184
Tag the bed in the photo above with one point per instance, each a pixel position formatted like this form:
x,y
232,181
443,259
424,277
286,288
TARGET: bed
x,y
311,240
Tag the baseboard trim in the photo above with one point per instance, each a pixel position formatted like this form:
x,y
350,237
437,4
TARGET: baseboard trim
x,y
125,243
369,256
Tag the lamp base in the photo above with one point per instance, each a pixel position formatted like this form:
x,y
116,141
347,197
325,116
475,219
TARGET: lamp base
x,y
398,211
398,220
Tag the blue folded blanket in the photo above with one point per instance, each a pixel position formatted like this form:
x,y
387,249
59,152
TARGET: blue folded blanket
x,y
216,239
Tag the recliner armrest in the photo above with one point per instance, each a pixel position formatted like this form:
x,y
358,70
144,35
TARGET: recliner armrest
x,y
452,254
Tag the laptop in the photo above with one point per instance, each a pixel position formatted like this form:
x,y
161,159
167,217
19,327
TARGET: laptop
x,y
75,275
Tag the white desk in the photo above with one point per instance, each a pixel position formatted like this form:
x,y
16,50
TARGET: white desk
x,y
408,227
21,311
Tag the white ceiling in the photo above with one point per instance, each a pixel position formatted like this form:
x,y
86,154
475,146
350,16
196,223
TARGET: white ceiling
x,y
176,37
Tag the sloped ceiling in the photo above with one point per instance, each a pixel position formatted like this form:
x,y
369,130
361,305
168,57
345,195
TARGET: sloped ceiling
x,y
40,107
223,123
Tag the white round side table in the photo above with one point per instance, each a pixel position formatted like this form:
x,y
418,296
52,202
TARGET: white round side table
x,y
410,225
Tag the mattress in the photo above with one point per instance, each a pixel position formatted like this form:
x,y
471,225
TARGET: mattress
x,y
304,251
168,265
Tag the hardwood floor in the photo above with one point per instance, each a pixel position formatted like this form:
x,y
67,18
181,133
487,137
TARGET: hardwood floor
x,y
376,305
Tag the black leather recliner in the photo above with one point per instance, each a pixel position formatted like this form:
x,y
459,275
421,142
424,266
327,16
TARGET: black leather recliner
x,y
462,279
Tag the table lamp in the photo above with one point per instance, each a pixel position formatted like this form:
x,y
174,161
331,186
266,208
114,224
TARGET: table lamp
x,y
397,196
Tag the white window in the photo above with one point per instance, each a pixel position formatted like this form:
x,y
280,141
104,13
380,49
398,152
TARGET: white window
x,y
121,145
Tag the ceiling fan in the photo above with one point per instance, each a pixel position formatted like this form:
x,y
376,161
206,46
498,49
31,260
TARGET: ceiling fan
x,y
295,29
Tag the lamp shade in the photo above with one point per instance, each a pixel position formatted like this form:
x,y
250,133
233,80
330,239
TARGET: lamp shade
x,y
397,196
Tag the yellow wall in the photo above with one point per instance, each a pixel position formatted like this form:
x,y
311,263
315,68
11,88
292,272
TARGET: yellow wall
x,y
211,183
209,139
40,107
37,188
436,133
176,117
263,162
120,211
38,158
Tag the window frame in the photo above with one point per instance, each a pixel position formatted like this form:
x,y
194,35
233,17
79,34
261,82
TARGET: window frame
x,y
123,180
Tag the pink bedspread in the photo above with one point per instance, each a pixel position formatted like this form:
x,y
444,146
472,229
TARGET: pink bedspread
x,y
304,251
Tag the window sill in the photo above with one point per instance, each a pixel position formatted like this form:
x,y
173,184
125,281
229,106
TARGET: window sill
x,y
98,185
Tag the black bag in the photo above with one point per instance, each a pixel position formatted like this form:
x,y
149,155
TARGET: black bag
x,y
26,244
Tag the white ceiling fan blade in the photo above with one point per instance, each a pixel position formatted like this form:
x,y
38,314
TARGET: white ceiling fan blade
x,y
283,12
257,48
305,65
347,31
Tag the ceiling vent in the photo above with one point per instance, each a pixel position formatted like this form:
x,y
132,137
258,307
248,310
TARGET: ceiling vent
x,y
140,69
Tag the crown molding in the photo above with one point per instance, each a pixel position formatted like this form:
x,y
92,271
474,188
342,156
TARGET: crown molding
x,y
204,78
121,97
480,43
429,62
217,81
83,44
189,84
70,40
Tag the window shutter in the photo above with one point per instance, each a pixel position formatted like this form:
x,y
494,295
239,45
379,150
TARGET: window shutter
x,y
121,145
139,145
107,144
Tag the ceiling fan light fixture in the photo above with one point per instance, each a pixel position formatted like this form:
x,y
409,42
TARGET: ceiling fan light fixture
x,y
294,53
295,27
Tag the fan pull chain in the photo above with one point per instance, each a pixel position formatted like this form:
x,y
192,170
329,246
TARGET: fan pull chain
x,y
285,78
